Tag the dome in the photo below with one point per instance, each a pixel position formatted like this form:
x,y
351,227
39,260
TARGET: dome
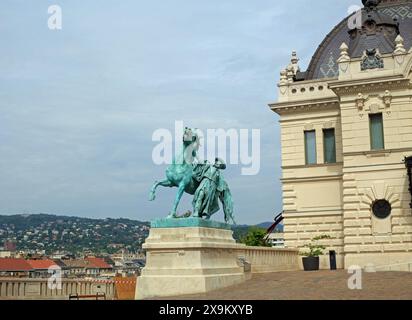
x,y
387,18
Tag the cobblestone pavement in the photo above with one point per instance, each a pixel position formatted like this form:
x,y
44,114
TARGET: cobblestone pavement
x,y
320,285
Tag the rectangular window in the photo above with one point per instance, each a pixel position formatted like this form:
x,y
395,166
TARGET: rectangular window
x,y
376,131
310,147
329,145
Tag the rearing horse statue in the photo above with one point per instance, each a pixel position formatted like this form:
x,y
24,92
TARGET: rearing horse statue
x,y
180,173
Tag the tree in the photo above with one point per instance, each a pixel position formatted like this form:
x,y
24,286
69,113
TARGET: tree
x,y
256,237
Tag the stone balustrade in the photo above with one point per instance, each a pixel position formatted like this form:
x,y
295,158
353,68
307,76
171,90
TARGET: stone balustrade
x,y
38,289
264,260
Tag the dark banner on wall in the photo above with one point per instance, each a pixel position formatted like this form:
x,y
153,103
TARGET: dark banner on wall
x,y
408,163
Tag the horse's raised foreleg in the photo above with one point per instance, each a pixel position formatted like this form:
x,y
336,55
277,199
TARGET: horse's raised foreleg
x,y
177,200
164,183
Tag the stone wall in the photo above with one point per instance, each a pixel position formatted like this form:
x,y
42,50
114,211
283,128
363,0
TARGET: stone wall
x,y
336,199
312,194
37,289
265,260
374,175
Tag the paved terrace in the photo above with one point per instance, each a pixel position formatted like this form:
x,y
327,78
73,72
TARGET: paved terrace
x,y
321,285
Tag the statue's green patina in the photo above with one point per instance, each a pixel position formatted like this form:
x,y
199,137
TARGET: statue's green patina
x,y
203,180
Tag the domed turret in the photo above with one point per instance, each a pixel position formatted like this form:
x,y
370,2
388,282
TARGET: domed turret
x,y
382,21
378,31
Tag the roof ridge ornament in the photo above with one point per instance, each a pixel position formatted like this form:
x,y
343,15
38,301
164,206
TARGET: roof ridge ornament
x,y
283,78
371,4
400,46
294,62
344,53
378,30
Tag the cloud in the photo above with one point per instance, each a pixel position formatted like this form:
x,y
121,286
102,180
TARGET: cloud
x,y
78,107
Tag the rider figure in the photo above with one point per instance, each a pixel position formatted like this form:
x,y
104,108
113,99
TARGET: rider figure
x,y
205,201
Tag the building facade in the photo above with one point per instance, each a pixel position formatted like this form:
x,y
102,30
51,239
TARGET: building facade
x,y
346,129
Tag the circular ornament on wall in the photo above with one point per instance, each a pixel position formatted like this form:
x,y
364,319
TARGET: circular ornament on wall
x,y
381,209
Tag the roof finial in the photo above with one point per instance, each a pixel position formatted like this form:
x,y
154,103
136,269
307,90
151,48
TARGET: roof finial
x,y
371,4
400,47
283,77
344,53
294,60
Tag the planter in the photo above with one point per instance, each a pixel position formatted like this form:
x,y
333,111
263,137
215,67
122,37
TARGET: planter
x,y
310,263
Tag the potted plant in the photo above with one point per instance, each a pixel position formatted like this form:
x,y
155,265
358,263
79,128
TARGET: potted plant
x,y
311,255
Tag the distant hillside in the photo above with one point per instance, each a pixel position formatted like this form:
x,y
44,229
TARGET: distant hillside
x,y
267,225
72,234
240,231
78,235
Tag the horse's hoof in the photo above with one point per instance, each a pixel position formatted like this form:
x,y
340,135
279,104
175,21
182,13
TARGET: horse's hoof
x,y
171,216
152,197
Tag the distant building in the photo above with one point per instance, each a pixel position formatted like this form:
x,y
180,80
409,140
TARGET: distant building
x,y
11,267
277,239
74,267
6,254
97,266
40,268
89,266
124,255
9,246
346,129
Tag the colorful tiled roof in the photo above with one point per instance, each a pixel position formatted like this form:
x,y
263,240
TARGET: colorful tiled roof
x,y
41,264
12,264
97,263
323,63
75,263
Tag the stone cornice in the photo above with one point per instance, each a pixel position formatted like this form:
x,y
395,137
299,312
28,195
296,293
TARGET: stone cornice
x,y
376,153
367,85
312,213
304,105
313,178
320,165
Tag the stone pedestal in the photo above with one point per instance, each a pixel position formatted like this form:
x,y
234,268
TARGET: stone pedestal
x,y
188,256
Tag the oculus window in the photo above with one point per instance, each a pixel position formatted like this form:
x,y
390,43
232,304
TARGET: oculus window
x,y
381,209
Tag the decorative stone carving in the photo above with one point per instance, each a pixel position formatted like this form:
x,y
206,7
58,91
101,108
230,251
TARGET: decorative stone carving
x,y
380,190
309,126
360,102
344,53
399,52
290,74
294,62
344,58
283,78
387,100
374,108
328,125
400,47
372,59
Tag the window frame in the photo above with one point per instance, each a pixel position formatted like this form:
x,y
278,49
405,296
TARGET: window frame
x,y
324,146
306,148
371,137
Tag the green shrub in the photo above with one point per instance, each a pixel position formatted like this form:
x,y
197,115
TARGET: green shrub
x,y
256,237
314,249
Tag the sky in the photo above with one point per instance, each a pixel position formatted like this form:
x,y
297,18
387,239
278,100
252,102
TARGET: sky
x,y
78,106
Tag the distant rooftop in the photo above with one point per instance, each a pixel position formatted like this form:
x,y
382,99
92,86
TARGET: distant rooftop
x,y
14,265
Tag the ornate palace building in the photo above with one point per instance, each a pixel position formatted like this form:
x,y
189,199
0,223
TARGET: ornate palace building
x,y
346,126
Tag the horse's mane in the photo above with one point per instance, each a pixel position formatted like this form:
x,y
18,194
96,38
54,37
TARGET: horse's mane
x,y
180,157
